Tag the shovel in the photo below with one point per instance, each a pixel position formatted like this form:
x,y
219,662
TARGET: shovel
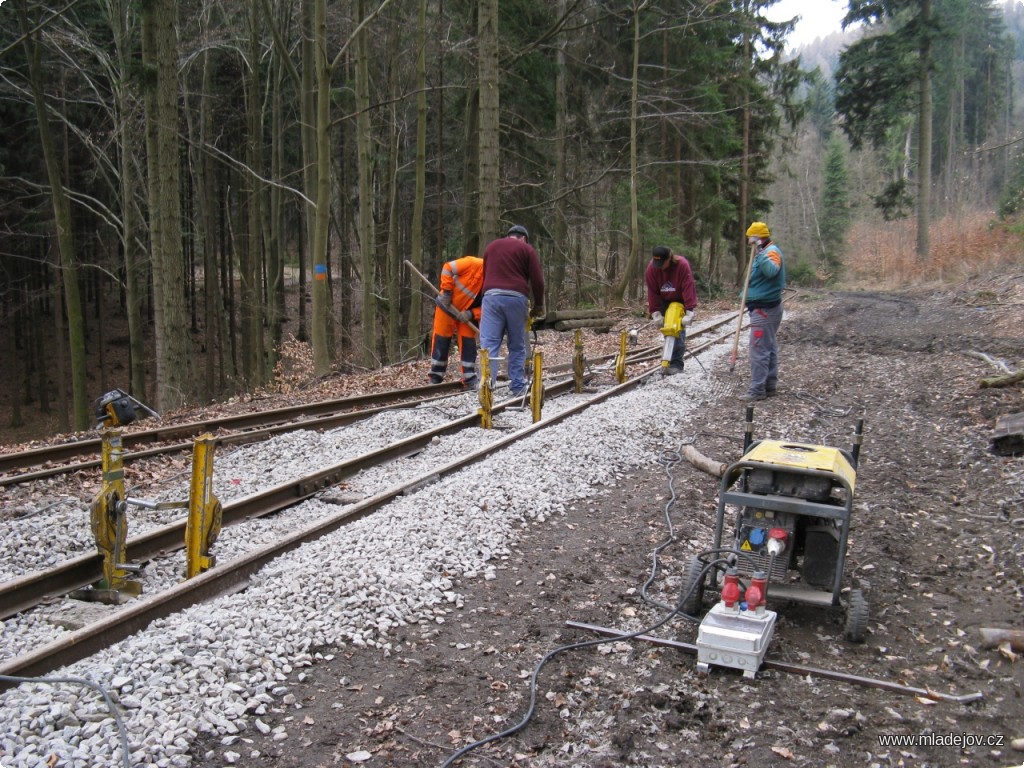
x,y
743,303
447,310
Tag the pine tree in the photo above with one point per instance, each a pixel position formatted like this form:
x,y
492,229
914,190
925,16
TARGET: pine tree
x,y
835,207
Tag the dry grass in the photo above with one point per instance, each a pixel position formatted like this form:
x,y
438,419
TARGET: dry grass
x,y
883,256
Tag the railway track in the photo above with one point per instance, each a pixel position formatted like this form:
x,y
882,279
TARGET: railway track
x,y
241,428
22,594
23,467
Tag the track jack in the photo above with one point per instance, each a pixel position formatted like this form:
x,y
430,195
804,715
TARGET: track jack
x,y
578,361
486,393
671,329
620,359
107,516
537,387
205,512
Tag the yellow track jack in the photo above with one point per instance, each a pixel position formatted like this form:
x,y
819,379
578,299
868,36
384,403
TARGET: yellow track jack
x,y
205,513
486,393
671,329
537,387
107,516
578,361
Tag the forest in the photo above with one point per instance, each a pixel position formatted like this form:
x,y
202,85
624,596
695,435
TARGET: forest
x,y
189,187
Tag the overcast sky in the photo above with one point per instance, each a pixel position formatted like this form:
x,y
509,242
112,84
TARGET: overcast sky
x,y
818,18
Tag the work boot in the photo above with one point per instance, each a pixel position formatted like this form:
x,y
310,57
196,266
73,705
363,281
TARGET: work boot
x,y
672,370
750,397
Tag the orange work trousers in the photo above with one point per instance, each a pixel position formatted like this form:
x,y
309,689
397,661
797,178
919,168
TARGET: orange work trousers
x,y
445,328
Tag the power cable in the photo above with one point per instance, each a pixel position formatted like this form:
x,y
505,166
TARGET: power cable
x,y
122,732
674,611
668,459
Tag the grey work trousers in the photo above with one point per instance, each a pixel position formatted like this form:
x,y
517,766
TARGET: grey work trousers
x,y
764,349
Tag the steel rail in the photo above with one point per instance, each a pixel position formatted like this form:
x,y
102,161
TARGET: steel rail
x,y
320,422
795,669
234,576
241,421
266,423
27,591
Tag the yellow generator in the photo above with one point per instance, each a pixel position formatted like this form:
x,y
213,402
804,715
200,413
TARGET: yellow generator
x,y
789,505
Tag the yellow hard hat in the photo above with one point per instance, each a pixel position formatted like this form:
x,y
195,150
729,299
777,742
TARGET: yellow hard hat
x,y
758,229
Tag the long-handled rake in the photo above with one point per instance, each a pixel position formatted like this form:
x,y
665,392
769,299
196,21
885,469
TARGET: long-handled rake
x,y
743,303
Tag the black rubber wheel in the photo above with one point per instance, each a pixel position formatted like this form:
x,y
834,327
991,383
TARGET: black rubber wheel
x,y
693,586
856,617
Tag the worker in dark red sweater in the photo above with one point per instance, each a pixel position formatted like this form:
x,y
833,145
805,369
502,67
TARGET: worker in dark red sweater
x,y
511,272
669,279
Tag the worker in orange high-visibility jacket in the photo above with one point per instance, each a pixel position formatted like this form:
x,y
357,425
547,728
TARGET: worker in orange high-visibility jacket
x,y
461,280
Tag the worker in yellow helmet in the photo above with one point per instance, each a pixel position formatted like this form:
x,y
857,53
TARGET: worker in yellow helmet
x,y
764,303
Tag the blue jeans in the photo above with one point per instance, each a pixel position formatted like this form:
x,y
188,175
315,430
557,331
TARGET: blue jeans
x,y
679,350
504,314
764,349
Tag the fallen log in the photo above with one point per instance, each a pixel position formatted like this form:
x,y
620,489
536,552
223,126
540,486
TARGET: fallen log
x,y
568,325
573,314
993,637
702,462
1002,381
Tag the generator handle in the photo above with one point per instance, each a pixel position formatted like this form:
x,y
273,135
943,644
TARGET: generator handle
x,y
858,438
748,428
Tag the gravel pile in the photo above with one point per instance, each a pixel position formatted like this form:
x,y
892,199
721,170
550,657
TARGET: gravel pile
x,y
217,667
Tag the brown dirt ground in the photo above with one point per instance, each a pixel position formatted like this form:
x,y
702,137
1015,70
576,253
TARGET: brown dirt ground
x,y
936,544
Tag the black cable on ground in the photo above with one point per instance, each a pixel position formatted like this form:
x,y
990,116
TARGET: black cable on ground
x,y
573,646
668,459
122,732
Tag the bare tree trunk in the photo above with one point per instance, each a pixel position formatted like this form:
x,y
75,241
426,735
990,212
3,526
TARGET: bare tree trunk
x,y
924,138
64,233
741,240
561,227
364,145
135,264
634,173
215,325
471,170
489,188
416,245
275,224
439,228
174,362
250,266
322,353
394,258
63,424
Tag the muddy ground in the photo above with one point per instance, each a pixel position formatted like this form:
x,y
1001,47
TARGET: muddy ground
x,y
936,545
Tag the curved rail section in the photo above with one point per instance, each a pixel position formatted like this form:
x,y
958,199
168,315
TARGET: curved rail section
x,y
26,592
234,576
247,427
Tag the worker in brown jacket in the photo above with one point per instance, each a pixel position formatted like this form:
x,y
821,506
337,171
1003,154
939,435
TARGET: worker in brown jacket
x,y
457,315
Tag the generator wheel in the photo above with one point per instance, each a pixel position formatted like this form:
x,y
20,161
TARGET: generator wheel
x,y
693,586
856,617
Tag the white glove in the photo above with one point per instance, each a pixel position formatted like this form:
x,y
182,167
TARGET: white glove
x,y
657,317
466,316
688,317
